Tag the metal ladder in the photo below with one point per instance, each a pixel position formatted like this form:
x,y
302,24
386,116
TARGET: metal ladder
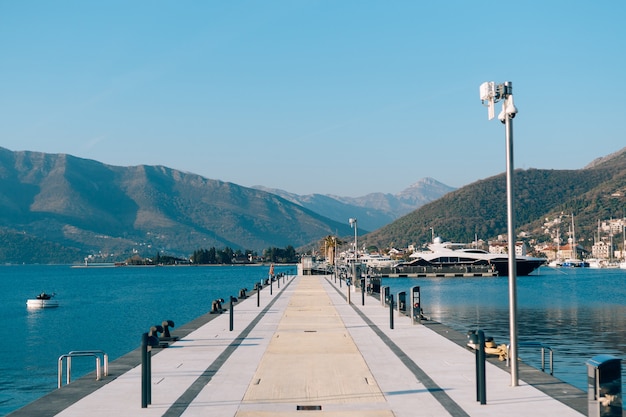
x,y
543,354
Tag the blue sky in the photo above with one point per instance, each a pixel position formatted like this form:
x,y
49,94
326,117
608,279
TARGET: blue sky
x,y
332,97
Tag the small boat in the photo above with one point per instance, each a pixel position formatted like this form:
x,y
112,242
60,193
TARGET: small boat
x,y
575,263
43,300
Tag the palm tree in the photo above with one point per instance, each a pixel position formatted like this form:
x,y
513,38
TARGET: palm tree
x,y
328,247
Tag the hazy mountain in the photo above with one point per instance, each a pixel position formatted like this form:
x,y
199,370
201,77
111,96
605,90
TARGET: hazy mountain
x,y
68,206
596,192
373,210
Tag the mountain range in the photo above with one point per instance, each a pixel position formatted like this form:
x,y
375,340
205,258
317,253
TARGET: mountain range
x,y
479,210
373,210
60,208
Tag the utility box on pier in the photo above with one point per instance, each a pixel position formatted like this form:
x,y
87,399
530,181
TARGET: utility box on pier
x,y
604,386
416,305
401,302
384,295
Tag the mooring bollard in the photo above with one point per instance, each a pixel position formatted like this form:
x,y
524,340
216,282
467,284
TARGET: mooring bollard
x,y
391,311
258,295
481,388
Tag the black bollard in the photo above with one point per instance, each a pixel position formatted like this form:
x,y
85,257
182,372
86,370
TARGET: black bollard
x,y
232,312
481,387
271,285
391,311
166,324
145,371
258,295
362,291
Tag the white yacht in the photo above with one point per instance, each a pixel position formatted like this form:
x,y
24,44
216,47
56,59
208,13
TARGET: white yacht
x,y
376,260
448,254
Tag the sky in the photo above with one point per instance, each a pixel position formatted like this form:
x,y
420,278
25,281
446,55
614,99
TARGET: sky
x,y
330,97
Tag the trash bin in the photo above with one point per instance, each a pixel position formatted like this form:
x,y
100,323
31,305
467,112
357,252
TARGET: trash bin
x,y
604,386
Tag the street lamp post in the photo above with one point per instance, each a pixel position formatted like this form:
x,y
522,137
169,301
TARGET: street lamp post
x,y
490,93
353,223
335,256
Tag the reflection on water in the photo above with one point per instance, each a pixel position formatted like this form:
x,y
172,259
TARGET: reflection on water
x,y
579,313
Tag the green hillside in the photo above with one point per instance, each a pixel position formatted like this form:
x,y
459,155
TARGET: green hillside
x,y
479,209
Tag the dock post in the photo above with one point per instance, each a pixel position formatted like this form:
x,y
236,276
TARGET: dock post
x,y
391,311
232,312
348,291
258,296
362,291
145,371
481,388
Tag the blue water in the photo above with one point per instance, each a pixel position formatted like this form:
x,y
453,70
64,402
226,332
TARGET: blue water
x,y
577,312
100,309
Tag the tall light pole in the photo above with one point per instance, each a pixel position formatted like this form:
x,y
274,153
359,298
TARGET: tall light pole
x,y
353,223
490,93
335,256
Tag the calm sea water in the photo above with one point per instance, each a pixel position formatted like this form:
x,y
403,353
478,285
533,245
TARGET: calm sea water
x,y
100,309
577,312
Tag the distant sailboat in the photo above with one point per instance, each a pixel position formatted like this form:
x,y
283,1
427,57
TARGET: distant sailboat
x,y
574,262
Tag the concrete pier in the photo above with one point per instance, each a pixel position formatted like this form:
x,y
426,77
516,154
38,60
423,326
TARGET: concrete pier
x,y
305,351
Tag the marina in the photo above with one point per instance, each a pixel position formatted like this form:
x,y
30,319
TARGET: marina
x,y
548,315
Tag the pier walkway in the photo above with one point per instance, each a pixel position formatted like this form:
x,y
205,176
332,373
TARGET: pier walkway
x,y
305,351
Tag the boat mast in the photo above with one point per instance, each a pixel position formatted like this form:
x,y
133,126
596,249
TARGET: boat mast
x,y
574,239
558,243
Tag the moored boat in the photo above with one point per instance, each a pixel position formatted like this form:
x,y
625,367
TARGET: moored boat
x,y
447,254
575,263
375,260
43,300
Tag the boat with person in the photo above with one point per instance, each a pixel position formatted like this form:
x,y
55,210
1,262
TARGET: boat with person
x,y
43,300
448,255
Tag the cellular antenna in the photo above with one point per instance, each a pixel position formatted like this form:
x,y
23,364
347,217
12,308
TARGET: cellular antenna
x,y
490,93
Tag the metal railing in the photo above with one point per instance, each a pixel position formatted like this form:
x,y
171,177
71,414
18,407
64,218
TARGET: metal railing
x,y
543,354
81,353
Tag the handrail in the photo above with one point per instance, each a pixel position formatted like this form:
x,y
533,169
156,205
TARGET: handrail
x,y
105,358
69,356
543,354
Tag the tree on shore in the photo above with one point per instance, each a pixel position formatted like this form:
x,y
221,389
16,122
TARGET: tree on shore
x,y
328,247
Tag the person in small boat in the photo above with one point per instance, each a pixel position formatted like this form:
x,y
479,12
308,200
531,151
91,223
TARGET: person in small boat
x,y
44,296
